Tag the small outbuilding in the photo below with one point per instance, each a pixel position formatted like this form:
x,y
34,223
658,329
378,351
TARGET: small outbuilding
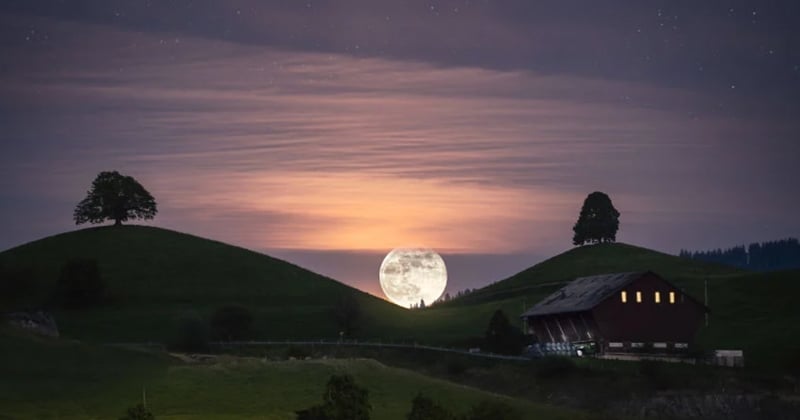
x,y
622,312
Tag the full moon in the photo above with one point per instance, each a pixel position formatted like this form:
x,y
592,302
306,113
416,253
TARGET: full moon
x,y
408,275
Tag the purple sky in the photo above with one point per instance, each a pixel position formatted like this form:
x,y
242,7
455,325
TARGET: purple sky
x,y
329,132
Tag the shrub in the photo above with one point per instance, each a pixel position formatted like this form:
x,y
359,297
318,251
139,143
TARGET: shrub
x,y
501,337
554,366
138,412
232,322
191,335
347,313
294,352
343,400
493,410
656,374
16,284
456,367
80,284
424,408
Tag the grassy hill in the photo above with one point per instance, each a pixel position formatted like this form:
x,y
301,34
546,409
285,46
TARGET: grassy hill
x,y
596,259
155,276
755,312
42,378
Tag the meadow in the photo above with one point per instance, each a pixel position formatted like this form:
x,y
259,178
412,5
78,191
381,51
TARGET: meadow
x,y
60,379
157,277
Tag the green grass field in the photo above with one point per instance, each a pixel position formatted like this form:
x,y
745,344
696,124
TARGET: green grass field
x,y
56,379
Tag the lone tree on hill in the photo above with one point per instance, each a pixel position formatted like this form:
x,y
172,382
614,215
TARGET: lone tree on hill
x,y
115,197
598,222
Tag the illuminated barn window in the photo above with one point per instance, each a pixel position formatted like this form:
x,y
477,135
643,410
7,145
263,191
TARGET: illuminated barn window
x,y
624,296
638,297
658,297
671,297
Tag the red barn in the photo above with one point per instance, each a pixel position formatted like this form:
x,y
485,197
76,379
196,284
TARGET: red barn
x,y
619,312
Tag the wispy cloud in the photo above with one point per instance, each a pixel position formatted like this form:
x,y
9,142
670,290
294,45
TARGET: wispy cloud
x,y
273,148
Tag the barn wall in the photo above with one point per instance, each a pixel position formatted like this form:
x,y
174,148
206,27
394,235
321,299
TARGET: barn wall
x,y
565,327
649,321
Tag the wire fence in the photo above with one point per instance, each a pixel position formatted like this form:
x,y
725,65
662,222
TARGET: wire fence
x,y
334,343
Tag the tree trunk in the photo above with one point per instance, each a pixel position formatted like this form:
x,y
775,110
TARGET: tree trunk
x,y
117,222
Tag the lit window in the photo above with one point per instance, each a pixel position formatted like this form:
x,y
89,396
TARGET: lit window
x,y
658,297
638,297
671,297
624,296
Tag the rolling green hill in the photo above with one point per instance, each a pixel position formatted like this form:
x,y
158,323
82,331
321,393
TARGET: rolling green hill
x,y
155,276
755,312
592,260
49,379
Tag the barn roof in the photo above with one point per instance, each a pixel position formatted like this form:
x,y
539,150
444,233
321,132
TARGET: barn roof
x,y
583,293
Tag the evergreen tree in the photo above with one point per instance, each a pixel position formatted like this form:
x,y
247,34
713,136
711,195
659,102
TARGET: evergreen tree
x,y
501,337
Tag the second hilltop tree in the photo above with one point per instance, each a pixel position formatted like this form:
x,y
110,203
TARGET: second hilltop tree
x,y
598,221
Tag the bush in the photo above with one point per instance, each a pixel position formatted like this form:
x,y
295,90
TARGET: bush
x,y
80,284
294,352
501,337
493,410
656,374
16,284
232,322
343,400
424,408
347,313
191,335
456,367
138,412
554,366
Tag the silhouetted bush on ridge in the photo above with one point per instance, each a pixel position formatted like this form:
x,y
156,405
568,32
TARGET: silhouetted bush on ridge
x,y
191,335
231,322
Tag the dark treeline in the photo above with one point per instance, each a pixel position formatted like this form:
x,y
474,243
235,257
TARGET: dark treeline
x,y
783,254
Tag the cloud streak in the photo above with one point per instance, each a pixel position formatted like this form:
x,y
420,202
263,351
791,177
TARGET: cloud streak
x,y
283,149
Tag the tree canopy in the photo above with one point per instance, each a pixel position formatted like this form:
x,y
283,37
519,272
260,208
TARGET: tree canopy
x,y
232,322
502,337
343,400
116,197
598,221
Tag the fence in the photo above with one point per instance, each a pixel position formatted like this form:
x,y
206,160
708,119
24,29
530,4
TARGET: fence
x,y
349,343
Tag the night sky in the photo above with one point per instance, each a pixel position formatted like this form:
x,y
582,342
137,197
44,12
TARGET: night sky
x,y
329,132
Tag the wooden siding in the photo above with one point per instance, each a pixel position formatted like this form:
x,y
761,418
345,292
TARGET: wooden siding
x,y
649,321
566,327
611,320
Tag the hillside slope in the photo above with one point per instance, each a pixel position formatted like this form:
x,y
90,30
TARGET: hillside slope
x,y
751,311
596,259
155,276
42,378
